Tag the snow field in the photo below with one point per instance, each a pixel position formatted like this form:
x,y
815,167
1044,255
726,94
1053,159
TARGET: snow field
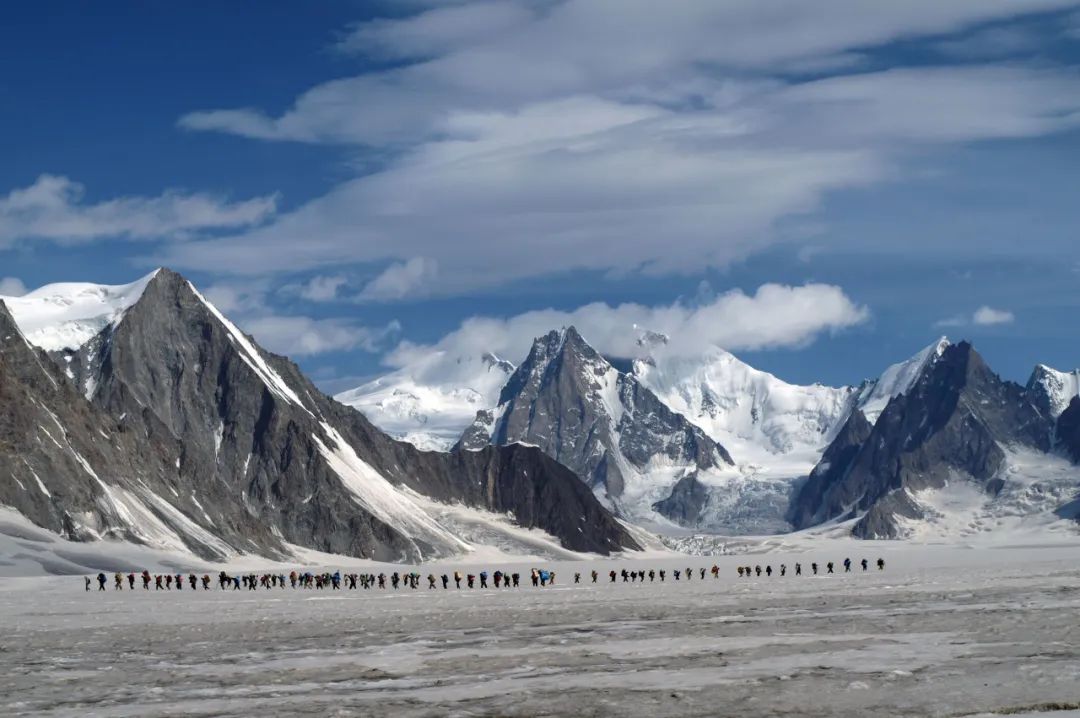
x,y
942,632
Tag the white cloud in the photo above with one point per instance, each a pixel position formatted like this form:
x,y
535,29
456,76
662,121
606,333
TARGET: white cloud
x,y
987,316
322,288
984,316
238,297
527,51
298,336
53,209
620,137
12,287
775,316
400,280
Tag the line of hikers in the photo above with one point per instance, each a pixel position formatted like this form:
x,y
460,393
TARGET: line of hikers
x,y
500,579
307,580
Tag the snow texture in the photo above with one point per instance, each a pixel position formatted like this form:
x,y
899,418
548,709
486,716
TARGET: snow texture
x,y
69,314
941,632
430,403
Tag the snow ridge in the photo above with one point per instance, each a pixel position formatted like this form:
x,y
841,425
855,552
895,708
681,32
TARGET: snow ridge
x,y
66,315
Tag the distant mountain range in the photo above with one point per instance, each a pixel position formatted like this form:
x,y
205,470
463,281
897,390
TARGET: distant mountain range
x,y
141,413
709,443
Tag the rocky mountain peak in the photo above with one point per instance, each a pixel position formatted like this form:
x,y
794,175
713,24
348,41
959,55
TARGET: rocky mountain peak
x,y
956,420
573,404
1052,390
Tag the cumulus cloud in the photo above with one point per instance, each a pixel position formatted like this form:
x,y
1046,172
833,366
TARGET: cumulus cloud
x,y
988,316
775,316
12,287
53,208
984,316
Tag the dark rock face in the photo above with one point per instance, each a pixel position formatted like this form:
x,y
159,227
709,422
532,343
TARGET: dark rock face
x,y
686,502
569,401
237,451
1068,430
808,507
953,422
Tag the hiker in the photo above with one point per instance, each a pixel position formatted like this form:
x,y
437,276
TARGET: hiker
x,y
783,570
881,564
798,569
483,579
577,577
865,564
768,571
118,582
813,567
88,583
101,581
595,575
847,565
829,566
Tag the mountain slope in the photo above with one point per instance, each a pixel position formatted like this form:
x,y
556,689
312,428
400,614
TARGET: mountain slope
x,y
77,471
958,421
260,458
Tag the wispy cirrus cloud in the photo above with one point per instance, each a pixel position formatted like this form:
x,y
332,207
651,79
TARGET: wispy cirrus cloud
x,y
548,137
53,209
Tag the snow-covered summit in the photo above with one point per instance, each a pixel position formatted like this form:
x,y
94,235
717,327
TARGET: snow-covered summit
x,y
1053,390
743,407
874,396
66,315
430,402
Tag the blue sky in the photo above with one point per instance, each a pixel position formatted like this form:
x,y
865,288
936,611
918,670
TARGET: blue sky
x,y
354,181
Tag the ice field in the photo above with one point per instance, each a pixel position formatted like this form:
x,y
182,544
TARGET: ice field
x,y
943,631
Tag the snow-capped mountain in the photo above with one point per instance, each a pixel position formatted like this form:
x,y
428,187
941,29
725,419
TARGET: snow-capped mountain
x,y
428,406
1053,390
69,314
185,435
957,424
756,415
